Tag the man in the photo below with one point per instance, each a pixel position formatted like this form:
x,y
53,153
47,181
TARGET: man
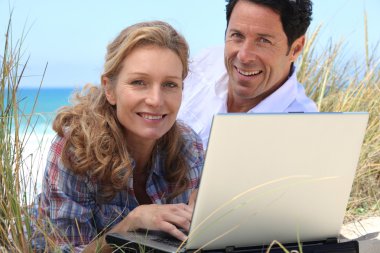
x,y
263,39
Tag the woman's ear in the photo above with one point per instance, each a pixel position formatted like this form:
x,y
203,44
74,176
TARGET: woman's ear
x,y
109,90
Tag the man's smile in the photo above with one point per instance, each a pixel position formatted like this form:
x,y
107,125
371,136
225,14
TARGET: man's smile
x,y
248,73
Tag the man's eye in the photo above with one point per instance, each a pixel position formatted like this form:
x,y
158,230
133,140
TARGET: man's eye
x,y
137,82
236,35
265,41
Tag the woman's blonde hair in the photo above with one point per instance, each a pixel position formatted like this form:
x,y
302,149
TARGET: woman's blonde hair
x,y
95,140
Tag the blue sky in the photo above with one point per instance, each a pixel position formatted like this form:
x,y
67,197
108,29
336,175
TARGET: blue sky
x,y
72,35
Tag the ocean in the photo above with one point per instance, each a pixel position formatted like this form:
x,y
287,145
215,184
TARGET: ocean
x,y
49,100
38,134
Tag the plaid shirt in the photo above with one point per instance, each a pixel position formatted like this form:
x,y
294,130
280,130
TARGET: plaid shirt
x,y
69,200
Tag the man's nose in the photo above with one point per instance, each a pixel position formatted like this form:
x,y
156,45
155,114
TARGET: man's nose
x,y
155,97
247,52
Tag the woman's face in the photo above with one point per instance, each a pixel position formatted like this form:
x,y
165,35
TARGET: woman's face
x,y
147,92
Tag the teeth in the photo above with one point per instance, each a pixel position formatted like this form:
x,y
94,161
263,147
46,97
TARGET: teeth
x,y
151,117
248,73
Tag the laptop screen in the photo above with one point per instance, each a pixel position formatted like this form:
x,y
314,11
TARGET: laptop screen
x,y
284,177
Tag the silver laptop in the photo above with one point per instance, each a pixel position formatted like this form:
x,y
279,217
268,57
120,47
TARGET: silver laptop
x,y
284,177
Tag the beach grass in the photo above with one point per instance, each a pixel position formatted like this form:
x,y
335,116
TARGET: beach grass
x,y
12,200
339,85
17,184
335,84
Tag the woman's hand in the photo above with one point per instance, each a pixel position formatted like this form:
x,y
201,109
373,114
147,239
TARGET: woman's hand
x,y
168,218
193,198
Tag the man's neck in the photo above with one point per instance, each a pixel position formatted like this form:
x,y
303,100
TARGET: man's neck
x,y
239,104
235,104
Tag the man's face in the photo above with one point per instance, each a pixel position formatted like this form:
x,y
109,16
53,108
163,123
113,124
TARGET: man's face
x,y
256,54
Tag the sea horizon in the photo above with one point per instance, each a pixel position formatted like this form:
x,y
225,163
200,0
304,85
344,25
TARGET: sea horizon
x,y
37,109
42,104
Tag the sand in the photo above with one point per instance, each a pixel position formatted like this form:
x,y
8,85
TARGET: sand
x,y
366,231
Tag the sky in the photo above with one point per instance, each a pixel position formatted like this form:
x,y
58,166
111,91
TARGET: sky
x,y
71,36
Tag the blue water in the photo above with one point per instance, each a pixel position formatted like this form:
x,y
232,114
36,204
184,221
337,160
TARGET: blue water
x,y
49,100
39,133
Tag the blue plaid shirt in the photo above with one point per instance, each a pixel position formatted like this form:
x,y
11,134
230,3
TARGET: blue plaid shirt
x,y
69,200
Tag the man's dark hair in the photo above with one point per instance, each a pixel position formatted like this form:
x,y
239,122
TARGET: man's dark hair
x,y
295,15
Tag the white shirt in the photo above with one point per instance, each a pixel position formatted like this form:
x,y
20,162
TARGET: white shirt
x,y
205,94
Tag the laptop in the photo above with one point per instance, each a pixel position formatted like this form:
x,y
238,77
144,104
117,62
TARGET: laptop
x,y
282,176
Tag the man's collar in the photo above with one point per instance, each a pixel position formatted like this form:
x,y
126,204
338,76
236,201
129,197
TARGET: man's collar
x,y
279,100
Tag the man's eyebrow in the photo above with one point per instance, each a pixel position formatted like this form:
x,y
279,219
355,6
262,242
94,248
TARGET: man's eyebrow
x,y
234,30
266,35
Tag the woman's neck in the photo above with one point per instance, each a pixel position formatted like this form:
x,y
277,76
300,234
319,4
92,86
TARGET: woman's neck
x,y
141,151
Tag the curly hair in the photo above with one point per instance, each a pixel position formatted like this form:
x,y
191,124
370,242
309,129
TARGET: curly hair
x,y
296,15
95,140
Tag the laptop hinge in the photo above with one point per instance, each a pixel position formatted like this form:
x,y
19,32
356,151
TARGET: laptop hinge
x,y
331,240
229,249
193,250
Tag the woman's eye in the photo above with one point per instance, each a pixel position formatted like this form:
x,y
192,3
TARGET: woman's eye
x,y
170,85
137,82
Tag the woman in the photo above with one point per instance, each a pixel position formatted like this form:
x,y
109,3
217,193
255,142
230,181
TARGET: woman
x,y
120,160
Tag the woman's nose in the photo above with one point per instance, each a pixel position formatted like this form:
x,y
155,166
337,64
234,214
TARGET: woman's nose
x,y
154,97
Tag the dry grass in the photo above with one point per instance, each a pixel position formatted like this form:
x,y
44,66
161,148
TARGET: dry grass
x,y
11,199
16,181
348,86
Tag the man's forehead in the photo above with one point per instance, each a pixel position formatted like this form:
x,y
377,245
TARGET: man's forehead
x,y
256,19
249,12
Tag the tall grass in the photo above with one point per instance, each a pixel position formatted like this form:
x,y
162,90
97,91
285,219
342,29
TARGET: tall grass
x,y
16,180
335,84
11,146
339,85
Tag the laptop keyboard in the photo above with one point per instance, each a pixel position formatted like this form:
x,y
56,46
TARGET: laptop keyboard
x,y
168,241
165,238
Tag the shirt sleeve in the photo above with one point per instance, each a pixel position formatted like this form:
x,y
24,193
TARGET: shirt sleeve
x,y
204,91
68,201
194,154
